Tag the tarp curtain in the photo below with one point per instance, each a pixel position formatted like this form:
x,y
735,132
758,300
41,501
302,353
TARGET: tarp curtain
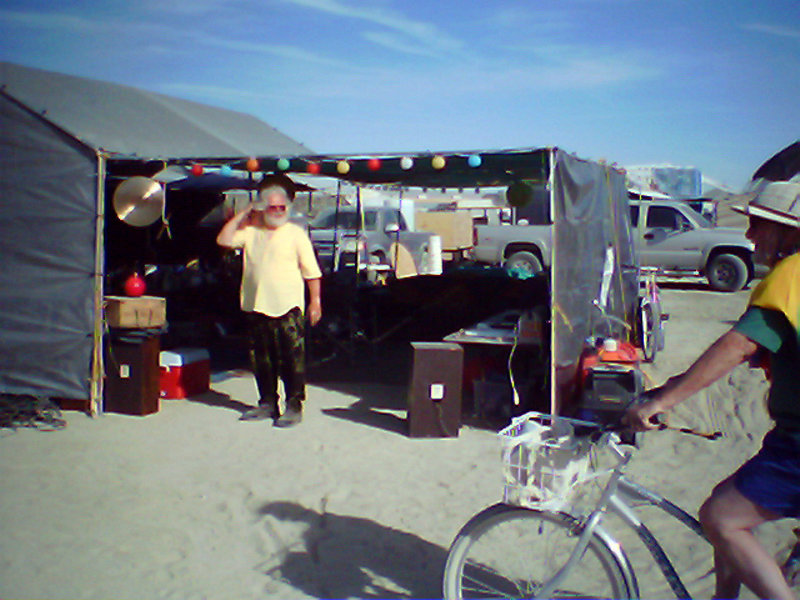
x,y
47,239
590,212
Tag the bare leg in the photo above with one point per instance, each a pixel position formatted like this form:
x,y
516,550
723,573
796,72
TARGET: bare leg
x,y
728,583
728,519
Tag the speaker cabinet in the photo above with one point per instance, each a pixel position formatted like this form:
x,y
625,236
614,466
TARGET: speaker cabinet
x,y
132,375
434,403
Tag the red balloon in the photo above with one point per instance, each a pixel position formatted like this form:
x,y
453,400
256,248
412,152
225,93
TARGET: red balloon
x,y
373,164
197,170
313,168
135,285
252,164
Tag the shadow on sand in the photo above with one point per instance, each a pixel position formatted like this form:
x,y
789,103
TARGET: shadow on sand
x,y
695,286
376,374
217,399
350,557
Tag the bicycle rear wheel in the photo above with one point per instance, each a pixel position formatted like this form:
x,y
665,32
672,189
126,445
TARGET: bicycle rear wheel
x,y
511,552
647,334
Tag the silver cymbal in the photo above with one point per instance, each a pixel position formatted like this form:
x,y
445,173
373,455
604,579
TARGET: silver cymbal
x,y
139,201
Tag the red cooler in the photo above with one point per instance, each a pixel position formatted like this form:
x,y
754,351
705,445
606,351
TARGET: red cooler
x,y
184,372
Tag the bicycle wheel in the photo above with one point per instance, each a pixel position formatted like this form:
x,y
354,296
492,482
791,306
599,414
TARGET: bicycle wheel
x,y
647,326
511,552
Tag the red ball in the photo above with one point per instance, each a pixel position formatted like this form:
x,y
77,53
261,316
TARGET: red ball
x,y
252,164
197,170
313,168
135,285
373,164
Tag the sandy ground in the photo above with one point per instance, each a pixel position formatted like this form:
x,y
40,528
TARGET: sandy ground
x,y
192,503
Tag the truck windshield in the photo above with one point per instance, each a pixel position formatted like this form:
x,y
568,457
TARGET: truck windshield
x,y
702,221
346,219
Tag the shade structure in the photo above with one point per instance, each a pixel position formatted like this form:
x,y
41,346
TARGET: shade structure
x,y
783,166
58,133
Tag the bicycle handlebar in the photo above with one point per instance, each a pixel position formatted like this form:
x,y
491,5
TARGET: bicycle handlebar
x,y
626,435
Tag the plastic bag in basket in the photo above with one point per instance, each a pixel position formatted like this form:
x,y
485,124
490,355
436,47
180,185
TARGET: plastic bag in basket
x,y
542,463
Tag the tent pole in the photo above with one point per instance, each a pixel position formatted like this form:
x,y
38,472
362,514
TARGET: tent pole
x,y
96,386
555,400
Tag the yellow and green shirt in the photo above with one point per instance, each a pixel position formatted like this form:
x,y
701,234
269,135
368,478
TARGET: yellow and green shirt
x,y
772,320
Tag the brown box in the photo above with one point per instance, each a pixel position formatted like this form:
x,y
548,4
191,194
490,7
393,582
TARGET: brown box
x,y
140,312
434,402
455,228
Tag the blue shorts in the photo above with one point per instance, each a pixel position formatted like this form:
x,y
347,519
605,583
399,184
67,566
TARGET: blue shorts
x,y
771,479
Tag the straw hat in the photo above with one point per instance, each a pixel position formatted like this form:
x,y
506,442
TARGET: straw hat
x,y
778,201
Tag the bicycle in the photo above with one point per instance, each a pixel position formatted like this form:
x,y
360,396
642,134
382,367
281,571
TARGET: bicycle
x,y
535,544
649,318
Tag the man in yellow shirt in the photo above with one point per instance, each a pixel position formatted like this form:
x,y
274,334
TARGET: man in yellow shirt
x,y
279,262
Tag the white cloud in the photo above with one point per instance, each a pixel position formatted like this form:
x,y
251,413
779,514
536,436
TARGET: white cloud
x,y
397,43
61,21
420,33
778,30
281,50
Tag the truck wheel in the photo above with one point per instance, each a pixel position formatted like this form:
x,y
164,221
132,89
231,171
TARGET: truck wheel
x,y
522,265
727,273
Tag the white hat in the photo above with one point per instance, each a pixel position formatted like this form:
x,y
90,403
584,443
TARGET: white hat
x,y
777,201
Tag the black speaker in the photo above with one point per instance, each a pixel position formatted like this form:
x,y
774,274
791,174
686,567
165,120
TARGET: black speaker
x,y
434,401
132,374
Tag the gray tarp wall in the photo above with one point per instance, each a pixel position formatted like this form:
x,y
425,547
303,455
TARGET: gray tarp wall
x,y
47,257
591,214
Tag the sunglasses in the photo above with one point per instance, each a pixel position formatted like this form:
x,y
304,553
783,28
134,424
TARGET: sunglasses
x,y
276,208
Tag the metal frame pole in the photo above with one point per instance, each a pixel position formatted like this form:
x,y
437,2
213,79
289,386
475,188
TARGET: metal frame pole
x,y
98,368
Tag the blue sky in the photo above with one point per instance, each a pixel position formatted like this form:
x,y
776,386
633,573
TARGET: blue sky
x,y
709,84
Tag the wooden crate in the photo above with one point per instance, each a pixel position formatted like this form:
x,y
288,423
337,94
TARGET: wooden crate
x,y
140,312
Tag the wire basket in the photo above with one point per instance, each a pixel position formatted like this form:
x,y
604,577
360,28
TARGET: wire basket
x,y
543,462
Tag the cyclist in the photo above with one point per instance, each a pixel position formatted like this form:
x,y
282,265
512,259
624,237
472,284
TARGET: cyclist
x,y
767,487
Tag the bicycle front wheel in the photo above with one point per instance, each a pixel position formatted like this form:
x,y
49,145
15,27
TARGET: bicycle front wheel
x,y
511,552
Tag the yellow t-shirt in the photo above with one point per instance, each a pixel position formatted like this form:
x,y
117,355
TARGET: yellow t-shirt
x,y
773,321
276,264
780,290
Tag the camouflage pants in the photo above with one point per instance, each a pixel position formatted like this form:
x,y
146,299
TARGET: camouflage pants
x,y
277,350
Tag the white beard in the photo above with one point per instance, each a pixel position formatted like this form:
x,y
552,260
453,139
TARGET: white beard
x,y
275,221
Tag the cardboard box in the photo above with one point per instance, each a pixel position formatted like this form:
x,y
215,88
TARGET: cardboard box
x,y
184,372
140,312
455,228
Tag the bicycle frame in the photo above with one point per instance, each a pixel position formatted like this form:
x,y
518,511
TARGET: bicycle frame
x,y
619,502
617,496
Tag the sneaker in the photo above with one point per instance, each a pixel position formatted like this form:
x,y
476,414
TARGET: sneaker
x,y
260,413
290,418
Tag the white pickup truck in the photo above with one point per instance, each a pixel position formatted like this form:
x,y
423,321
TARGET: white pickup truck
x,y
523,243
670,235
375,240
667,234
